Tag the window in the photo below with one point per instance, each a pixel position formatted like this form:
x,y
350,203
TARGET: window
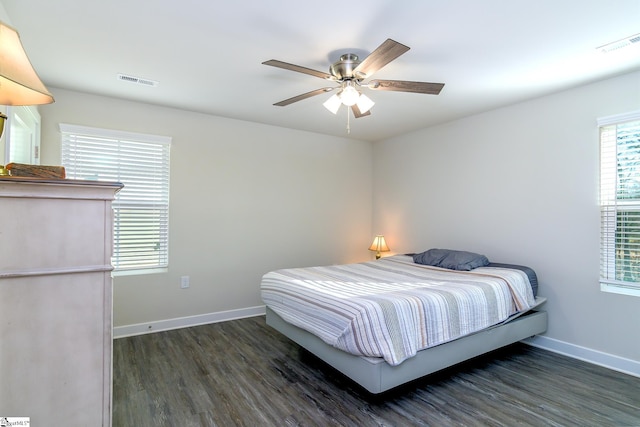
x,y
620,203
141,208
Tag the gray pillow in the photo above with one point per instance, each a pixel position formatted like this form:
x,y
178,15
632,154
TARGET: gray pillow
x,y
451,259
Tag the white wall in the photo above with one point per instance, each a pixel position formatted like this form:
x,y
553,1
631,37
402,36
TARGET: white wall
x,y
519,184
245,199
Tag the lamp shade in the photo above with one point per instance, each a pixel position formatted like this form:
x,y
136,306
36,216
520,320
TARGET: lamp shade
x,y
333,104
364,103
19,83
349,95
379,245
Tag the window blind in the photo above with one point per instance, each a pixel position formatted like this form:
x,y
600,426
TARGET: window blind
x,y
620,201
141,208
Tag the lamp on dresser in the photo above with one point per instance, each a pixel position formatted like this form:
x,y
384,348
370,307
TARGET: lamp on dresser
x,y
19,82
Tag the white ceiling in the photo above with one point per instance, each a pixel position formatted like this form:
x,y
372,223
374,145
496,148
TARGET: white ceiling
x,y
207,55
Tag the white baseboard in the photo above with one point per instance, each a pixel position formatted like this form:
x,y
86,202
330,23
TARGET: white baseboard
x,y
185,322
617,363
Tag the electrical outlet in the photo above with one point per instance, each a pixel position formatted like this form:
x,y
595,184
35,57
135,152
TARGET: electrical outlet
x,y
184,282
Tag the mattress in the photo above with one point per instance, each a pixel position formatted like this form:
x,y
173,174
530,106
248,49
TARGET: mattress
x,y
392,308
530,272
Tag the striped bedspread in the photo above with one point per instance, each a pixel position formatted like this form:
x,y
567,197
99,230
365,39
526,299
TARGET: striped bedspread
x,y
392,307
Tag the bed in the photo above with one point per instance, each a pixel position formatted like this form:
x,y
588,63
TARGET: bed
x,y
387,322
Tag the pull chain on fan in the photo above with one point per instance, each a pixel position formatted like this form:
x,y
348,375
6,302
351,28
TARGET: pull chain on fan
x,y
348,123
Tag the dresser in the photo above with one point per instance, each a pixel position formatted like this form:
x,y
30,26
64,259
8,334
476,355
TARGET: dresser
x,y
56,300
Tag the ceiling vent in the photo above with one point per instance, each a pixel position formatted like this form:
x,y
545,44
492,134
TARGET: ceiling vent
x,y
619,44
138,80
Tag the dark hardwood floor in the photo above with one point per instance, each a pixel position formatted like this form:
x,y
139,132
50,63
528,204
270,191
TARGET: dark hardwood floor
x,y
243,373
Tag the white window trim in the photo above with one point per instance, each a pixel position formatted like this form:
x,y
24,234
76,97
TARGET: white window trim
x,y
608,285
614,288
619,118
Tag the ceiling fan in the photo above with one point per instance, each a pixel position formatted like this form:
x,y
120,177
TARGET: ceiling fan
x,y
350,73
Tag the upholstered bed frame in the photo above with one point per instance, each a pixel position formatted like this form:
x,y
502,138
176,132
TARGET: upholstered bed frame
x,y
377,376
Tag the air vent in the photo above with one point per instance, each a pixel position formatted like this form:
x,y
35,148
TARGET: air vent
x,y
619,44
138,80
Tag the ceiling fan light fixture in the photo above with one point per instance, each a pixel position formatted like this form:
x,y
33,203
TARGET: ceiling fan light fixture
x,y
349,95
333,104
364,103
349,74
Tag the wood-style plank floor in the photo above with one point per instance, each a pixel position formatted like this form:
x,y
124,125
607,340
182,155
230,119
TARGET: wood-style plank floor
x,y
243,373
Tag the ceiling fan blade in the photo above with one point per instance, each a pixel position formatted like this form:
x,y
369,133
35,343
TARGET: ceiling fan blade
x,y
385,53
357,113
304,96
405,86
299,69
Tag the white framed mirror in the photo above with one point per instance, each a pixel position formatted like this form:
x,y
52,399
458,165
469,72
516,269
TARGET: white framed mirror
x,y
22,135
